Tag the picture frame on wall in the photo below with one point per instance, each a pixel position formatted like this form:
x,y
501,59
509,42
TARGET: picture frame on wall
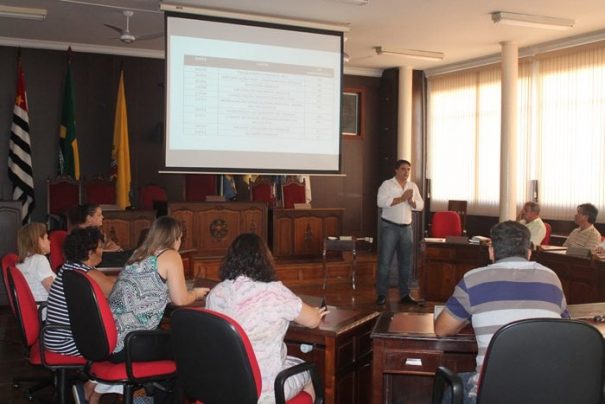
x,y
350,113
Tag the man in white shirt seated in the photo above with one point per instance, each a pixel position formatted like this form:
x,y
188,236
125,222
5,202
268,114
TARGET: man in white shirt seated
x,y
585,235
530,217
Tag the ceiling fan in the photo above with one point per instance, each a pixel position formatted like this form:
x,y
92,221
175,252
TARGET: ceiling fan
x,y
128,37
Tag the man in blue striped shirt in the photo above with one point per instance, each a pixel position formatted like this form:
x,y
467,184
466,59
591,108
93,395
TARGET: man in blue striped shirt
x,y
512,288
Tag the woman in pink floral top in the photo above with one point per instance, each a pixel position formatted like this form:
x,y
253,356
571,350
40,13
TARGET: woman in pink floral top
x,y
251,294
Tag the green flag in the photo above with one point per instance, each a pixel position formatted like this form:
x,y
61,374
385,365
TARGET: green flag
x,y
69,159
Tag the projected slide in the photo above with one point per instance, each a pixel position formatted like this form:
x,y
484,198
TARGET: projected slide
x,y
249,97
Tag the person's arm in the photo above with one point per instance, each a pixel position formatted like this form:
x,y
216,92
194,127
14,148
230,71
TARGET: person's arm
x,y
416,201
170,266
385,197
446,324
48,282
45,273
311,316
105,282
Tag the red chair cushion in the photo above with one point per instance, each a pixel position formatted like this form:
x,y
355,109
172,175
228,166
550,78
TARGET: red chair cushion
x,y
546,239
110,371
27,307
57,238
62,196
293,193
198,186
54,358
149,194
446,223
100,192
301,398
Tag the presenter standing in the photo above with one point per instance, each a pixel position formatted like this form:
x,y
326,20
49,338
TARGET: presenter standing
x,y
397,197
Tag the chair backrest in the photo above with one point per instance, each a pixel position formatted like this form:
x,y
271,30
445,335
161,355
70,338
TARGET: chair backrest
x,y
446,223
214,358
92,324
100,191
149,194
293,192
26,311
546,240
198,186
57,238
63,194
8,260
460,208
543,361
261,190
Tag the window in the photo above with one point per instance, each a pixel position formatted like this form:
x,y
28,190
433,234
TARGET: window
x,y
561,134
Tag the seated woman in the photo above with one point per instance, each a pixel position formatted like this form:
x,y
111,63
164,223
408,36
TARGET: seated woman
x,y
91,216
251,295
33,245
152,277
83,251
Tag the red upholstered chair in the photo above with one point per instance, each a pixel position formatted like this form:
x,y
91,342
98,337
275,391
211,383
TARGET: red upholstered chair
x,y
198,186
8,260
28,321
57,238
216,363
99,191
261,190
446,223
149,194
62,195
546,239
293,192
94,331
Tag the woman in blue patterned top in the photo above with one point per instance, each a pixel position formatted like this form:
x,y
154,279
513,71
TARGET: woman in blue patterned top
x,y
153,276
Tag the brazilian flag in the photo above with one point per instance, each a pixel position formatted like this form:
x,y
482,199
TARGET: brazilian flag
x,y
69,159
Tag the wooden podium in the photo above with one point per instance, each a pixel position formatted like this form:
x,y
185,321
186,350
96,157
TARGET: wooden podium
x,y
299,233
210,227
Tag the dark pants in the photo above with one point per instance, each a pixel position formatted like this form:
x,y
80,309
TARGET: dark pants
x,y
394,239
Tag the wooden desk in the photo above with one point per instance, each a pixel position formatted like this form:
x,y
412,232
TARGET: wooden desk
x,y
583,279
407,352
342,352
301,232
442,266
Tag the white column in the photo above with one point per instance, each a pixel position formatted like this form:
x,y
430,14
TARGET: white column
x,y
404,114
508,131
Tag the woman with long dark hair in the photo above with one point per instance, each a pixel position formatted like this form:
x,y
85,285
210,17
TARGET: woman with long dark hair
x,y
251,294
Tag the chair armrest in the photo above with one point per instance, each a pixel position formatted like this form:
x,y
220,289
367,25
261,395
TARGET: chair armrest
x,y
41,308
146,346
43,347
444,375
282,376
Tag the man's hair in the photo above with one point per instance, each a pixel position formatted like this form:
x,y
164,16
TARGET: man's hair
x,y
589,210
533,206
399,163
510,239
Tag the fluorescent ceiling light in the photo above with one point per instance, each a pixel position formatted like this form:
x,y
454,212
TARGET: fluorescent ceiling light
x,y
534,21
411,53
27,13
354,2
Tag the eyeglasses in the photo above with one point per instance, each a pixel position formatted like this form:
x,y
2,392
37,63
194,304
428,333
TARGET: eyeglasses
x,y
600,318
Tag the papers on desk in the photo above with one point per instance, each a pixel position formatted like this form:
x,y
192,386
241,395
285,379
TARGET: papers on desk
x,y
434,240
